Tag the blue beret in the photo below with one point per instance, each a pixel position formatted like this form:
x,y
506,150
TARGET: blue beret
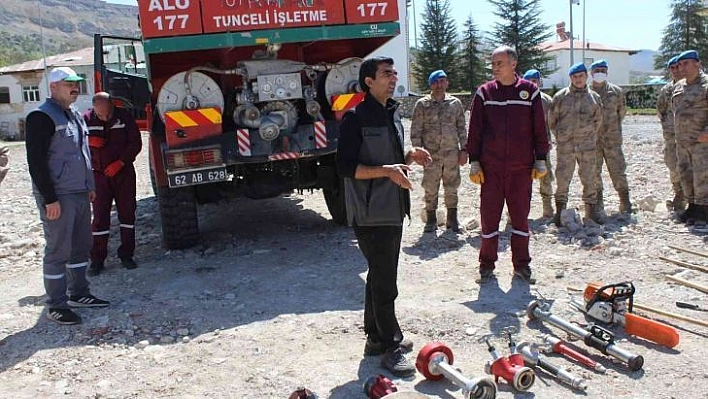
x,y
435,75
532,74
598,64
672,61
688,55
577,68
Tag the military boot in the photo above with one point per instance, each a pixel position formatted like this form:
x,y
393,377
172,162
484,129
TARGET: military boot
x,y
679,202
687,215
452,222
592,213
560,206
625,204
600,206
547,208
432,222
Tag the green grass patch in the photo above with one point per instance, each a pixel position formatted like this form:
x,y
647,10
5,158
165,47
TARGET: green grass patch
x,y
641,111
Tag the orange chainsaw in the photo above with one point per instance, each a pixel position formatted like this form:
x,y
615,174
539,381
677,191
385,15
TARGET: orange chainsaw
x,y
612,304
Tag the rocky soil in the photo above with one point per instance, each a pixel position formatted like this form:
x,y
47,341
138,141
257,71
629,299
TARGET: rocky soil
x,y
272,298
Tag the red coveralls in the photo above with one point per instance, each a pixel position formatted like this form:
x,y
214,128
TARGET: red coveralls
x,y
507,133
123,142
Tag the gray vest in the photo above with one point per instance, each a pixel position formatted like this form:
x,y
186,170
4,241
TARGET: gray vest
x,y
69,157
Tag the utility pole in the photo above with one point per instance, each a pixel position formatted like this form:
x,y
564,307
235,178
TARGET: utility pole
x,y
572,39
44,50
584,44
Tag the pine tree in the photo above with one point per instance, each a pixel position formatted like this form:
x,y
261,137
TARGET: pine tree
x,y
685,31
523,31
472,69
439,45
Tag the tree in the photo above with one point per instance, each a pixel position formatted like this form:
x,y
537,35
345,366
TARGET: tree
x,y
472,69
685,31
523,31
439,44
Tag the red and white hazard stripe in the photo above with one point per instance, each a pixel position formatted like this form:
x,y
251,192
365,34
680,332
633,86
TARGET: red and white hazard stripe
x,y
320,135
244,142
284,155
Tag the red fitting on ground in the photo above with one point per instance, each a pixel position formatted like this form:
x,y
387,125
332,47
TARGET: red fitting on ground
x,y
518,375
379,386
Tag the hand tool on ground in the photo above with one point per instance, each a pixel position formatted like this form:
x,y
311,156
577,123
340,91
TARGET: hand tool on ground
x,y
685,264
699,287
692,306
556,345
689,251
379,386
511,369
534,359
612,304
434,361
594,336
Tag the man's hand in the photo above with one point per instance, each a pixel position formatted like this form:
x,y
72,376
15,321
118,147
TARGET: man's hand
x,y
397,174
96,142
53,210
476,173
539,169
92,196
113,169
462,157
419,155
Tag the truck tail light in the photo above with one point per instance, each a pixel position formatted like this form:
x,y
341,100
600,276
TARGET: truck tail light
x,y
192,158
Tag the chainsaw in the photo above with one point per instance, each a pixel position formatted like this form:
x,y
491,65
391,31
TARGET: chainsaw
x,y
612,304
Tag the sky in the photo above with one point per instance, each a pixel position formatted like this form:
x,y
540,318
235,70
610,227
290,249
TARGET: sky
x,y
630,24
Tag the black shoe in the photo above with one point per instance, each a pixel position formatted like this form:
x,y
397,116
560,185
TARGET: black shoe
x,y
485,276
86,301
63,316
128,263
374,348
95,268
395,362
525,275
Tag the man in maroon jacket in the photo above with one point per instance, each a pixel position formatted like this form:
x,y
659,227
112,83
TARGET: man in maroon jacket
x,y
507,146
115,141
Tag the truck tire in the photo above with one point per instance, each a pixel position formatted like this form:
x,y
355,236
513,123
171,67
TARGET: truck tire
x,y
334,198
178,212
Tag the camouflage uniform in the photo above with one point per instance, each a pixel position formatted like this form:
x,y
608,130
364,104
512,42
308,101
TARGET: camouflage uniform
x,y
546,186
609,145
439,127
666,116
575,119
690,104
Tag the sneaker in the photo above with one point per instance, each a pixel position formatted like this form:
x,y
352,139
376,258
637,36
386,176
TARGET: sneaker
x,y
95,268
374,348
485,276
525,275
128,263
63,316
86,301
395,362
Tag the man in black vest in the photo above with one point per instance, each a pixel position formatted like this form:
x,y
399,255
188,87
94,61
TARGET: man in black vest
x,y
371,159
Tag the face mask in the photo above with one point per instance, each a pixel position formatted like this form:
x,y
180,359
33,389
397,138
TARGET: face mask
x,y
599,77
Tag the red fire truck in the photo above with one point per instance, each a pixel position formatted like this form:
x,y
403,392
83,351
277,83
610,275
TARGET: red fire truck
x,y
242,97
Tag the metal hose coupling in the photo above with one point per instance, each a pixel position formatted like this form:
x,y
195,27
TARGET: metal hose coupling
x,y
517,375
534,359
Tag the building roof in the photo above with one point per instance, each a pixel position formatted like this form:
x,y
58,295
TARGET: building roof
x,y
74,58
578,44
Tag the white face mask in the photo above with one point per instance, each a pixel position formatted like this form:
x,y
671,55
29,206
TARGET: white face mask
x,y
599,77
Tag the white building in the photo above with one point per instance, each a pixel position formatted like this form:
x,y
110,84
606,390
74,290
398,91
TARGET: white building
x,y
617,60
397,49
23,87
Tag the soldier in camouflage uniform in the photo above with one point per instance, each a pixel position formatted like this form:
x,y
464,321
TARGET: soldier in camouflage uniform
x,y
690,103
545,186
666,116
438,125
575,118
609,146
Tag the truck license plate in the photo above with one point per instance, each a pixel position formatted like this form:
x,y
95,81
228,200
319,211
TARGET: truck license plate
x,y
191,178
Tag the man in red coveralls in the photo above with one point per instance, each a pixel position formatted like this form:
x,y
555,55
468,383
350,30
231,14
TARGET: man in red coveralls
x,y
507,146
114,140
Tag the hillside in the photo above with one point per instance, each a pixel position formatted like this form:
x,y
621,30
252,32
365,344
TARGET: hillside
x,y
65,24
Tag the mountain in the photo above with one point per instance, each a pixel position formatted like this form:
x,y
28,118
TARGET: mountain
x,y
65,25
643,63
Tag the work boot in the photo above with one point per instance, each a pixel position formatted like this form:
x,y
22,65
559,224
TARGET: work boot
x,y
547,208
600,206
592,213
687,215
432,222
679,202
560,206
625,204
452,222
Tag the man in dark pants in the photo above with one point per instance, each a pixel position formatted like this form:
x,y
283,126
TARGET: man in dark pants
x,y
371,159
60,166
507,144
114,139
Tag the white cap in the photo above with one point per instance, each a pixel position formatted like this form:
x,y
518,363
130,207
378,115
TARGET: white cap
x,y
64,73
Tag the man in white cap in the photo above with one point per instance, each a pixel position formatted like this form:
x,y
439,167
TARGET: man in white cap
x,y
60,167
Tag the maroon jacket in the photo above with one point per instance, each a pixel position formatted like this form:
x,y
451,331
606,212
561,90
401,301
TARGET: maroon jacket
x,y
122,135
507,128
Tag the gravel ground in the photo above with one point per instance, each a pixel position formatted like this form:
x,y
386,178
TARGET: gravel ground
x,y
272,298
